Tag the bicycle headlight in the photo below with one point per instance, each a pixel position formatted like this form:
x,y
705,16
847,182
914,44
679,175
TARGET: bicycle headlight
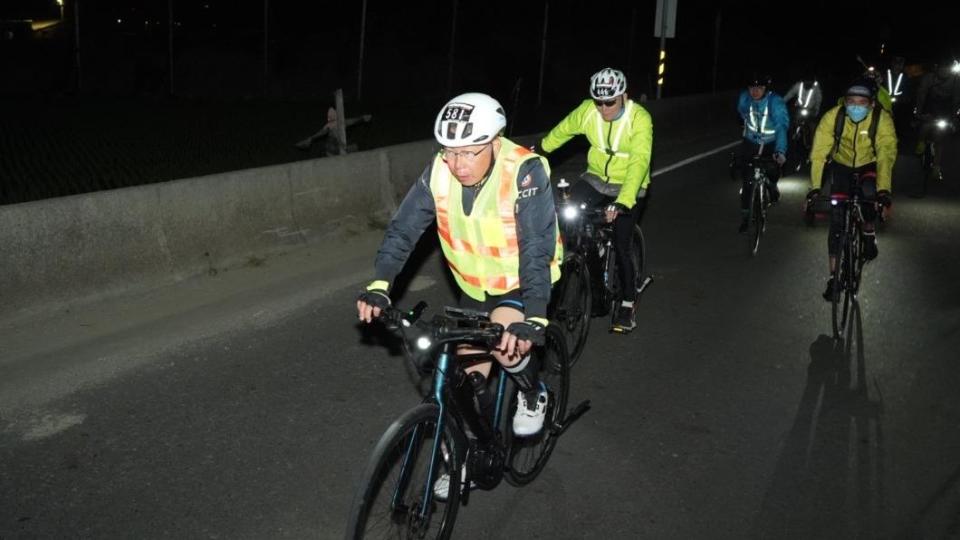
x,y
423,343
941,123
570,212
803,112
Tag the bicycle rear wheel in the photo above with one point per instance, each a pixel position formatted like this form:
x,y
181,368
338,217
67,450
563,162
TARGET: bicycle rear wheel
x,y
528,455
926,162
639,255
571,304
396,497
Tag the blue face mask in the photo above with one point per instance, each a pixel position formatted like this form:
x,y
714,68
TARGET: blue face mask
x,y
857,112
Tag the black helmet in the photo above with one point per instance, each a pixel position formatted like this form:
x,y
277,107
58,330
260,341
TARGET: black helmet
x,y
864,86
759,79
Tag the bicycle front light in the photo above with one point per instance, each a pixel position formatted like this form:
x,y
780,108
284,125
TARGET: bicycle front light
x,y
941,123
423,343
570,212
804,112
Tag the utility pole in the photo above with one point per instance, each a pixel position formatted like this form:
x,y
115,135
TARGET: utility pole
x,y
363,34
716,49
170,25
543,50
76,43
453,40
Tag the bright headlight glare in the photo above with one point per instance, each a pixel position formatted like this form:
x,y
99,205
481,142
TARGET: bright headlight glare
x,y
570,212
804,112
941,123
423,343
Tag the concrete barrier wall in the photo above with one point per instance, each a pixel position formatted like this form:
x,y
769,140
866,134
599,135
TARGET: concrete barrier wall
x,y
77,248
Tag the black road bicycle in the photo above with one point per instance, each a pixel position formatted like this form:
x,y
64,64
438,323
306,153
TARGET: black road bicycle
x,y
801,136
850,260
759,201
445,441
934,129
589,285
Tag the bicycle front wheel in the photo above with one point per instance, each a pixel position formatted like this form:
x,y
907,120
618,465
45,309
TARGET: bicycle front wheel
x,y
572,304
757,218
397,496
528,455
842,285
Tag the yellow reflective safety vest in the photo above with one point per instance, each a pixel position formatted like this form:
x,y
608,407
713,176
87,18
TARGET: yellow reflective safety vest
x,y
481,249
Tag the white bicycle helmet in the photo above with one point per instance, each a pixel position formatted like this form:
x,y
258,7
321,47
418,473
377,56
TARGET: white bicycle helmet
x,y
469,119
607,83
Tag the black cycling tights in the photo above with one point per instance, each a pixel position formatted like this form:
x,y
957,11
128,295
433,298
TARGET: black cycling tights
x,y
623,233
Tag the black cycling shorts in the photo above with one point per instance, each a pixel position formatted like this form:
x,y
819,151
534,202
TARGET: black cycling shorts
x,y
512,299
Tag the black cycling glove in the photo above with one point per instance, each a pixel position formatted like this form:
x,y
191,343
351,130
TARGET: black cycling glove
x,y
533,330
376,295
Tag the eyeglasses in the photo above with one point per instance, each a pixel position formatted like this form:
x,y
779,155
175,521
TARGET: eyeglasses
x,y
605,103
449,155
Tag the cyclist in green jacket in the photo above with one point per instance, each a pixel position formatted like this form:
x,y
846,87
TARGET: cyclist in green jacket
x,y
620,132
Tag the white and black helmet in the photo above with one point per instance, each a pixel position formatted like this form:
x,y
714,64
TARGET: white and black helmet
x,y
469,119
607,83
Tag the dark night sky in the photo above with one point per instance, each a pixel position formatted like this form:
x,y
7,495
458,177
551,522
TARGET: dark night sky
x,y
498,42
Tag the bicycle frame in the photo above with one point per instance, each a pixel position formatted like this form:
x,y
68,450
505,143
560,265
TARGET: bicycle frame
x,y
446,358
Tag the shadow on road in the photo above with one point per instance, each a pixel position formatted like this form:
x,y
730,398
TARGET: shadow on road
x,y
829,478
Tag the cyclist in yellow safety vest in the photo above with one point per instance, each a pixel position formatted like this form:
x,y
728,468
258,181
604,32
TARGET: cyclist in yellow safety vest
x,y
620,132
494,208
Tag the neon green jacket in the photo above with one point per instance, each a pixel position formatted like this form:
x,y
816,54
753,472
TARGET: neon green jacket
x,y
619,150
855,149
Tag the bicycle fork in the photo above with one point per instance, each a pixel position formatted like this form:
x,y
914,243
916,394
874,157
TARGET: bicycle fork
x,y
443,361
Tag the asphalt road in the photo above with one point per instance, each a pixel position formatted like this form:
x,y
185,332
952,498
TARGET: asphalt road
x,y
245,405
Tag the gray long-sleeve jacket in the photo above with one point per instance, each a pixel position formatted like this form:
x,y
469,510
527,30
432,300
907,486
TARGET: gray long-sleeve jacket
x,y
536,232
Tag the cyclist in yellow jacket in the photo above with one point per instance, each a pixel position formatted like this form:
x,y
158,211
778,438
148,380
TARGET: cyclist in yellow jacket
x,y
492,202
620,132
854,148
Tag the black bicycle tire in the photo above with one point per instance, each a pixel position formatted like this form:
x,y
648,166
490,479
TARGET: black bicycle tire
x,y
837,290
557,409
756,216
379,462
611,289
581,272
640,255
843,279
